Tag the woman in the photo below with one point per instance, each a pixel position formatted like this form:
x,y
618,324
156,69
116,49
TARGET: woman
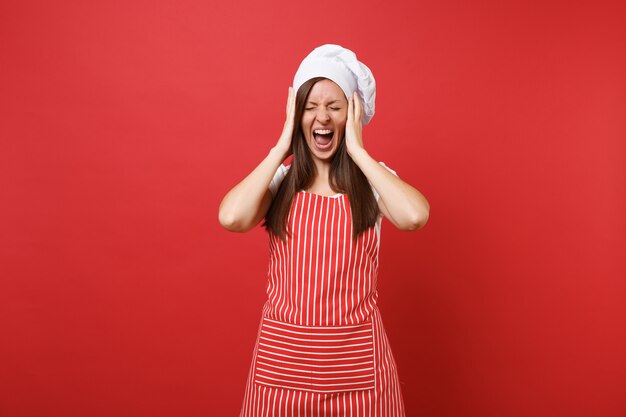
x,y
321,347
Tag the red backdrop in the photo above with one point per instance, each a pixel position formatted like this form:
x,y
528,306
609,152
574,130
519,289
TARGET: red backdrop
x,y
125,123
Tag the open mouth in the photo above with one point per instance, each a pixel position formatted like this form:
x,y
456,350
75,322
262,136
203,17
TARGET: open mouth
x,y
323,138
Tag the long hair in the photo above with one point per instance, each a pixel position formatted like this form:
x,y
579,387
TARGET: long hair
x,y
344,176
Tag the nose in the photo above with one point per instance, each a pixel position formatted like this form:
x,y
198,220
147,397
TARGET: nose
x,y
323,116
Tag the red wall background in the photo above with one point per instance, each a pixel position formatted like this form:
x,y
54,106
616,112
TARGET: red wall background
x,y
125,123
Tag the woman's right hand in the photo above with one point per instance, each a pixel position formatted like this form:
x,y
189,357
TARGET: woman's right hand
x,y
284,142
246,204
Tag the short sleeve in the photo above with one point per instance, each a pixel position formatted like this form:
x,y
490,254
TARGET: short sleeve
x,y
278,178
388,169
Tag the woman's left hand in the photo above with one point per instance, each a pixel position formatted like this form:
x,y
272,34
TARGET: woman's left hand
x,y
354,128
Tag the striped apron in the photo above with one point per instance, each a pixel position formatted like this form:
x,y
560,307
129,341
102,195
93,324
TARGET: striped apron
x,y
321,348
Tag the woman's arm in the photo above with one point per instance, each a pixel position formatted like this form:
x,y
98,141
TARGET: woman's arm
x,y
246,204
402,204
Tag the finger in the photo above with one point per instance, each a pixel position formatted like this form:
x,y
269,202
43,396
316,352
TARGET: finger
x,y
358,109
292,104
350,110
289,100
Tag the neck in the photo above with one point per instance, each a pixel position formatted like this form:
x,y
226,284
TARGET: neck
x,y
323,168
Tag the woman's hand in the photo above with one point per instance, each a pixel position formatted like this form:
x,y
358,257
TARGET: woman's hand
x,y
246,204
354,128
284,142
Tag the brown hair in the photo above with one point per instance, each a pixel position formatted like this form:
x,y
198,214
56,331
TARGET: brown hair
x,y
345,177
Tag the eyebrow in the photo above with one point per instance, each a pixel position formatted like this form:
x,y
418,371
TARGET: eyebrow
x,y
332,102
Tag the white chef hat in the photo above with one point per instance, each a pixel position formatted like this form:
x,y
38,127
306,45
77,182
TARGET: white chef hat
x,y
340,65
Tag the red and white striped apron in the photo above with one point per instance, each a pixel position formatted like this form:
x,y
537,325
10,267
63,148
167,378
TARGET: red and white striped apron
x,y
321,349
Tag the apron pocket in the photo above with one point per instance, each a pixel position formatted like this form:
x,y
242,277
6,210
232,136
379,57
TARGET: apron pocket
x,y
315,358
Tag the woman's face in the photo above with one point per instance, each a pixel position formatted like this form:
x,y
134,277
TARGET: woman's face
x,y
324,119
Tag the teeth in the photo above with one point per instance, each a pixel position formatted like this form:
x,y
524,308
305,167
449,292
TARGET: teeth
x,y
322,131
